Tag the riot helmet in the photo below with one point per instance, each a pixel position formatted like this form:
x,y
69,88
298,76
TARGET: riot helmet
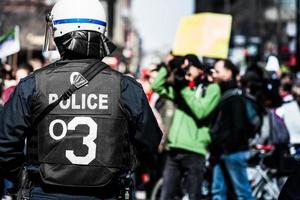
x,y
78,29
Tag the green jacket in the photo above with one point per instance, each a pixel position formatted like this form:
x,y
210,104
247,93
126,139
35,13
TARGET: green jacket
x,y
186,132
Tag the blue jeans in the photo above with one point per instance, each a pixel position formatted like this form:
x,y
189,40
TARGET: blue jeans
x,y
8,184
235,165
181,164
37,193
8,187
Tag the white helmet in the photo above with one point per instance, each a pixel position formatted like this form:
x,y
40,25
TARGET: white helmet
x,y
75,15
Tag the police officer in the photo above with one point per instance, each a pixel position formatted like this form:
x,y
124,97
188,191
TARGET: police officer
x,y
82,134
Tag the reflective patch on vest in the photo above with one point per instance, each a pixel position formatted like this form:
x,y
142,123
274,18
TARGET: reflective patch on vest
x,y
78,80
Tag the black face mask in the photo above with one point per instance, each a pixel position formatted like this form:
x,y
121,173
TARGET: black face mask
x,y
84,44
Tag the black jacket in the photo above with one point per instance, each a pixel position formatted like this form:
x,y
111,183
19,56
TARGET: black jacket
x,y
15,122
229,133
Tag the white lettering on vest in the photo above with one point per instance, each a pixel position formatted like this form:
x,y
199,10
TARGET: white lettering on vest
x,y
64,129
74,106
91,101
103,99
52,98
83,101
65,104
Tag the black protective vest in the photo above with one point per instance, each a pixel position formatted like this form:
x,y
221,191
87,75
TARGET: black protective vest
x,y
84,140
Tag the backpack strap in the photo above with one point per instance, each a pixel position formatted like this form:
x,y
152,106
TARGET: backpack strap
x,y
229,93
81,80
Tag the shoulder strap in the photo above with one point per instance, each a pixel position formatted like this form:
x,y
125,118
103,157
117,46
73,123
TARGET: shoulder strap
x,y
81,80
230,93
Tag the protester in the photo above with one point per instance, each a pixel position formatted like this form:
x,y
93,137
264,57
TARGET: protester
x,y
291,188
289,110
20,73
146,78
7,76
296,91
230,137
188,137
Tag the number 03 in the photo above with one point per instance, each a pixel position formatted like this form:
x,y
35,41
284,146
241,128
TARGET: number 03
x,y
88,140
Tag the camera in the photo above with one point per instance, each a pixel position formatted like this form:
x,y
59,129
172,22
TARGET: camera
x,y
177,72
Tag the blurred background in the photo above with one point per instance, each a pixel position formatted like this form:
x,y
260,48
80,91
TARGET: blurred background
x,y
145,30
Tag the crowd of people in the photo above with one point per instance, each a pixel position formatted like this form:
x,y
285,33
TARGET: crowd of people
x,y
221,114
216,113
194,111
10,77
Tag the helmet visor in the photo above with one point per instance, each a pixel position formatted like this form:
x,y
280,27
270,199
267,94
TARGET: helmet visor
x,y
49,44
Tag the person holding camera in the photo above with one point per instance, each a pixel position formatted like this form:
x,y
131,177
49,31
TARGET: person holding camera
x,y
182,81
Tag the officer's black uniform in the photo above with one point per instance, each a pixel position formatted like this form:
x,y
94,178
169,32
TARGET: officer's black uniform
x,y
95,128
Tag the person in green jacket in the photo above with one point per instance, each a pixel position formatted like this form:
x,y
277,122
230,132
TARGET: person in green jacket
x,y
188,137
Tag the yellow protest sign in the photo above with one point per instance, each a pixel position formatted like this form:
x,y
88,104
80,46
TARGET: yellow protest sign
x,y
205,34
